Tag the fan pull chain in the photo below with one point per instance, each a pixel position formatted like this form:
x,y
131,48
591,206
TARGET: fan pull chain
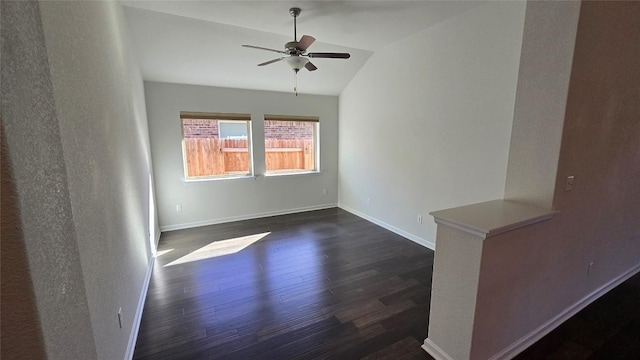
x,y
295,82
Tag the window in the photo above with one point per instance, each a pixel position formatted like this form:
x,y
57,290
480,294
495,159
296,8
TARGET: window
x,y
216,145
290,144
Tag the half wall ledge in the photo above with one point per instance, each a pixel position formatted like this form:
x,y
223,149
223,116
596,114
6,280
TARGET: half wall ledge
x,y
464,280
492,218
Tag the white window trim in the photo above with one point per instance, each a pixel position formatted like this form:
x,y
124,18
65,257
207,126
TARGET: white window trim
x,y
316,144
224,117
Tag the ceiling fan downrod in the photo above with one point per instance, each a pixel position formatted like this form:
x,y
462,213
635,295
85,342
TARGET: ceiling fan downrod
x,y
294,11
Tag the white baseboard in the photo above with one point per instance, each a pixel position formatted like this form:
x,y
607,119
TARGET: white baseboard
x,y
418,240
524,342
138,315
435,351
537,334
245,217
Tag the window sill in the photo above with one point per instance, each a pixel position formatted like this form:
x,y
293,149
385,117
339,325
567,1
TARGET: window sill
x,y
275,175
221,178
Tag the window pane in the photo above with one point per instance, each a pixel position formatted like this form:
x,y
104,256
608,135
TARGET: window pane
x,y
216,148
290,146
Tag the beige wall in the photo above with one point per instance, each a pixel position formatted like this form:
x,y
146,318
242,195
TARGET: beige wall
x,y
75,119
601,139
532,275
531,279
35,148
20,324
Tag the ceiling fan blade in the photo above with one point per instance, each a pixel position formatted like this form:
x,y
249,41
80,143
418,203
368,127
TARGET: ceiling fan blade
x,y
271,61
305,42
329,55
263,48
310,66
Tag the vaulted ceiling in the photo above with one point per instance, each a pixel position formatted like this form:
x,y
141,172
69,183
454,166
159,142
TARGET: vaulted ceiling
x,y
199,42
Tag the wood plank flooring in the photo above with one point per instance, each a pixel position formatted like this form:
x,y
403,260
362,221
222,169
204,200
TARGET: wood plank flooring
x,y
607,329
329,285
321,284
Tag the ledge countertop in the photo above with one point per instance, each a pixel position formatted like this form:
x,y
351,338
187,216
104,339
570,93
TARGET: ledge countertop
x,y
491,218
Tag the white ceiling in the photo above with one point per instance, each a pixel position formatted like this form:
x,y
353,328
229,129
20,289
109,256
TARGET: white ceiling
x,y
198,42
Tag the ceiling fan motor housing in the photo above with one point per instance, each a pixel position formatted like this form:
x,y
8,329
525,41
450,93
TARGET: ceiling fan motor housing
x,y
292,47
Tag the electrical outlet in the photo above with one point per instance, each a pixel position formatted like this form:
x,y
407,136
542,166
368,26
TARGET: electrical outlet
x,y
120,317
324,191
419,219
589,268
368,201
178,208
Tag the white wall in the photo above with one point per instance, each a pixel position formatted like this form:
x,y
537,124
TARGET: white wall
x,y
208,202
534,278
543,84
426,123
79,147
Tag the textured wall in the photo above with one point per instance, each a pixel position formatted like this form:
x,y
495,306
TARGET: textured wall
x,y
20,323
455,283
75,119
425,124
99,100
536,273
543,83
601,139
33,137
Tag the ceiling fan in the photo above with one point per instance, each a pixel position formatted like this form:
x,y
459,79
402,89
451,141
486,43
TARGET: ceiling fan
x,y
296,51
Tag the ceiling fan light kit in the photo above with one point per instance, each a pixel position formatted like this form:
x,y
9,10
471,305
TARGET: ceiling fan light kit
x,y
296,51
297,62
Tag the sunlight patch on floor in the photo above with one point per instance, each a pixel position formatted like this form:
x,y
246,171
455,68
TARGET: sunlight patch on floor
x,y
219,248
162,252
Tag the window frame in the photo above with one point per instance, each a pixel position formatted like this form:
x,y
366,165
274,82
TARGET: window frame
x,y
316,144
220,117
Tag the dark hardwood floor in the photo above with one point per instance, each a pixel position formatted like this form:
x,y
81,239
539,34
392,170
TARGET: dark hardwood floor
x,y
327,284
321,284
607,329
